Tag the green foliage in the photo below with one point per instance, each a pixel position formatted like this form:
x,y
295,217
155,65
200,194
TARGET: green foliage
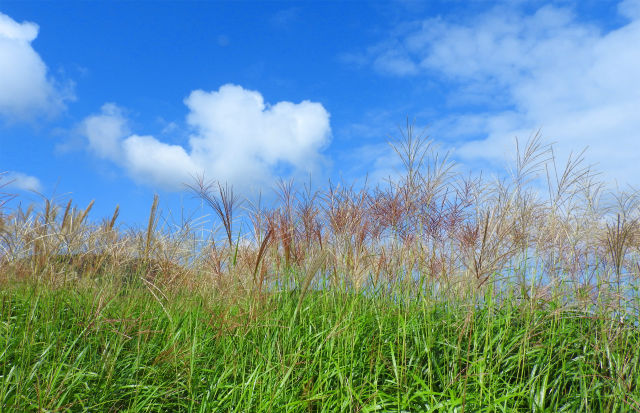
x,y
432,292
104,350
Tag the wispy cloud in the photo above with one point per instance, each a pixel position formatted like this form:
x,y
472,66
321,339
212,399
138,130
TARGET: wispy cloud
x,y
223,40
285,18
26,89
237,138
21,181
630,9
548,69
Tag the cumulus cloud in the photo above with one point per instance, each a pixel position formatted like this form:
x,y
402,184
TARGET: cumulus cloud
x,y
25,87
149,160
237,138
550,70
21,181
145,158
105,131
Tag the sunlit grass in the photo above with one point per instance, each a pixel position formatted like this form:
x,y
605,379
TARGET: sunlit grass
x,y
96,350
432,292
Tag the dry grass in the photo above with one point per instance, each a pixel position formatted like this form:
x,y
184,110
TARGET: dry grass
x,y
430,292
538,233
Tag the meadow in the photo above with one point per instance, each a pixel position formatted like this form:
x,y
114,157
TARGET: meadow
x,y
434,291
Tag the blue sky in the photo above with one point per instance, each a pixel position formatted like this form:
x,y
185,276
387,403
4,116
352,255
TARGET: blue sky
x,y
116,101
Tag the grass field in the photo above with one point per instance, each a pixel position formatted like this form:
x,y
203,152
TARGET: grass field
x,y
432,292
101,350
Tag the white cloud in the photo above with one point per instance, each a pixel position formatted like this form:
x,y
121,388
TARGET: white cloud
x,y
579,84
21,181
105,131
145,158
150,160
395,62
630,9
237,138
375,164
223,40
285,18
25,87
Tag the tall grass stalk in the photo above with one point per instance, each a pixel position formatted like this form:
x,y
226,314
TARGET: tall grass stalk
x,y
432,291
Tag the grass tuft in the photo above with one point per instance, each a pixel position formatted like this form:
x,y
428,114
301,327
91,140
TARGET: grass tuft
x,y
432,291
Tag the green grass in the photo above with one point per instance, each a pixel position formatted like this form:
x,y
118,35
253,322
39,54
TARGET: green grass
x,y
91,349
527,298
